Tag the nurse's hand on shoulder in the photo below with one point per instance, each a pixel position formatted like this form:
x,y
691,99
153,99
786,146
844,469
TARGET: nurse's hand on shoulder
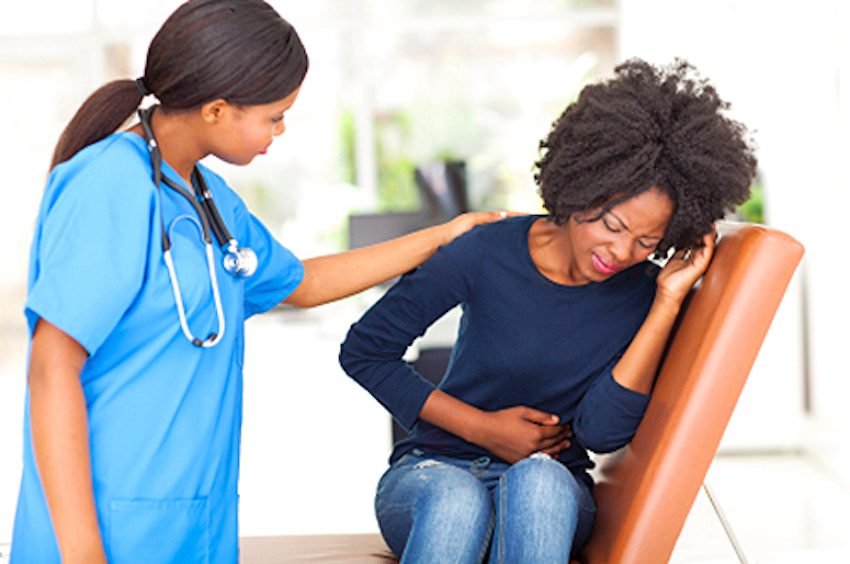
x,y
683,270
464,222
332,277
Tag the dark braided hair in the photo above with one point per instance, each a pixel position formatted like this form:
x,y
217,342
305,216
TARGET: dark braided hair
x,y
240,51
648,127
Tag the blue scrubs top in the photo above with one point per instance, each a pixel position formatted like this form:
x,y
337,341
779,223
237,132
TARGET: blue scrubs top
x,y
164,416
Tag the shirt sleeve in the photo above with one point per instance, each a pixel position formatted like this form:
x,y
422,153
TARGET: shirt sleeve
x,y
89,250
373,350
608,415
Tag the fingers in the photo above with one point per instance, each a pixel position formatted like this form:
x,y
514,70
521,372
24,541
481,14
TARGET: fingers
x,y
552,437
520,431
554,445
557,443
709,242
551,431
539,417
487,217
679,255
478,218
466,221
701,257
691,255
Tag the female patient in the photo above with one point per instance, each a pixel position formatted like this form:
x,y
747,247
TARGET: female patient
x,y
564,323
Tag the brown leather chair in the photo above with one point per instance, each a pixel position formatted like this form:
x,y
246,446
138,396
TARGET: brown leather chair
x,y
646,490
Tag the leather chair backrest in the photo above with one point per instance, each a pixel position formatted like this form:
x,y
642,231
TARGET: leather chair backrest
x,y
646,490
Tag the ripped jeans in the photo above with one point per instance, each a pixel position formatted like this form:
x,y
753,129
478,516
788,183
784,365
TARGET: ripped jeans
x,y
443,510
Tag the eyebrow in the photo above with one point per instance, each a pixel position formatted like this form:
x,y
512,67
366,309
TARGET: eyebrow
x,y
626,227
622,223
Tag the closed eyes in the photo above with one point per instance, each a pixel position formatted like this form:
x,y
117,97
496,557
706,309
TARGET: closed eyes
x,y
648,244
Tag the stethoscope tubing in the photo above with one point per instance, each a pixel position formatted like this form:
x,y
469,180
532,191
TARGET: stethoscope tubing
x,y
210,224
214,338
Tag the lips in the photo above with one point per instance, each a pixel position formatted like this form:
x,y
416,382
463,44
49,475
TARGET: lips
x,y
605,267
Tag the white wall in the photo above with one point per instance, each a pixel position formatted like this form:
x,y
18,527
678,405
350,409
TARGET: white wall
x,y
785,66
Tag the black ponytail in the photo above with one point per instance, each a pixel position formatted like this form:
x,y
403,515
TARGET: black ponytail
x,y
100,115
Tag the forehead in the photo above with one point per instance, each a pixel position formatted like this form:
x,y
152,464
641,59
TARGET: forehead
x,y
649,212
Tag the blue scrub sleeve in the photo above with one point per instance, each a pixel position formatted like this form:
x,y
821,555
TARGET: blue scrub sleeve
x,y
608,415
90,247
279,272
373,350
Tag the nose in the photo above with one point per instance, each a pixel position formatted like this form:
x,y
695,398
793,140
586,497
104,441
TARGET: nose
x,y
279,128
621,249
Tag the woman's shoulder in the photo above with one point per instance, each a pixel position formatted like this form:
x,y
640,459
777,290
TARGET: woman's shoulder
x,y
116,150
489,240
118,156
514,228
114,167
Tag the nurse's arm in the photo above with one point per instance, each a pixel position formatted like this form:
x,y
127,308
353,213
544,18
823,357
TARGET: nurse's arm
x,y
61,442
337,276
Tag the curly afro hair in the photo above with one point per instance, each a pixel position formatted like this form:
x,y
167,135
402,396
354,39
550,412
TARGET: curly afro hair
x,y
648,127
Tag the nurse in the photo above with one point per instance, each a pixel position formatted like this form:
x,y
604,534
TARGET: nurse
x,y
133,415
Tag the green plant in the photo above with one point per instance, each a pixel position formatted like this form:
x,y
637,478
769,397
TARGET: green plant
x,y
396,183
753,209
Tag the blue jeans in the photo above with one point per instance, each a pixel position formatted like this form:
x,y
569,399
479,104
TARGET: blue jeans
x,y
443,510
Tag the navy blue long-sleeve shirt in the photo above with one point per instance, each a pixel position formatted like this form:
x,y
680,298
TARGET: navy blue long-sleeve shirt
x,y
522,340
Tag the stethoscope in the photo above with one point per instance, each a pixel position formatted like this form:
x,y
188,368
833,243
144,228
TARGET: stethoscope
x,y
240,262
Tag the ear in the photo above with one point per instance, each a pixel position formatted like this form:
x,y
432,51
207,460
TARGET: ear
x,y
213,112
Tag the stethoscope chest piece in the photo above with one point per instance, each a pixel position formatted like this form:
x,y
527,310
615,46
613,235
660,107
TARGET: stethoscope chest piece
x,y
240,262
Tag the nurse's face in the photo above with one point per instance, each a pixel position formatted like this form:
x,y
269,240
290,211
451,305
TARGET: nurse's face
x,y
625,235
243,132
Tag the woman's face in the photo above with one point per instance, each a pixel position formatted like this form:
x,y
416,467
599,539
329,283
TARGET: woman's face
x,y
248,131
625,235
